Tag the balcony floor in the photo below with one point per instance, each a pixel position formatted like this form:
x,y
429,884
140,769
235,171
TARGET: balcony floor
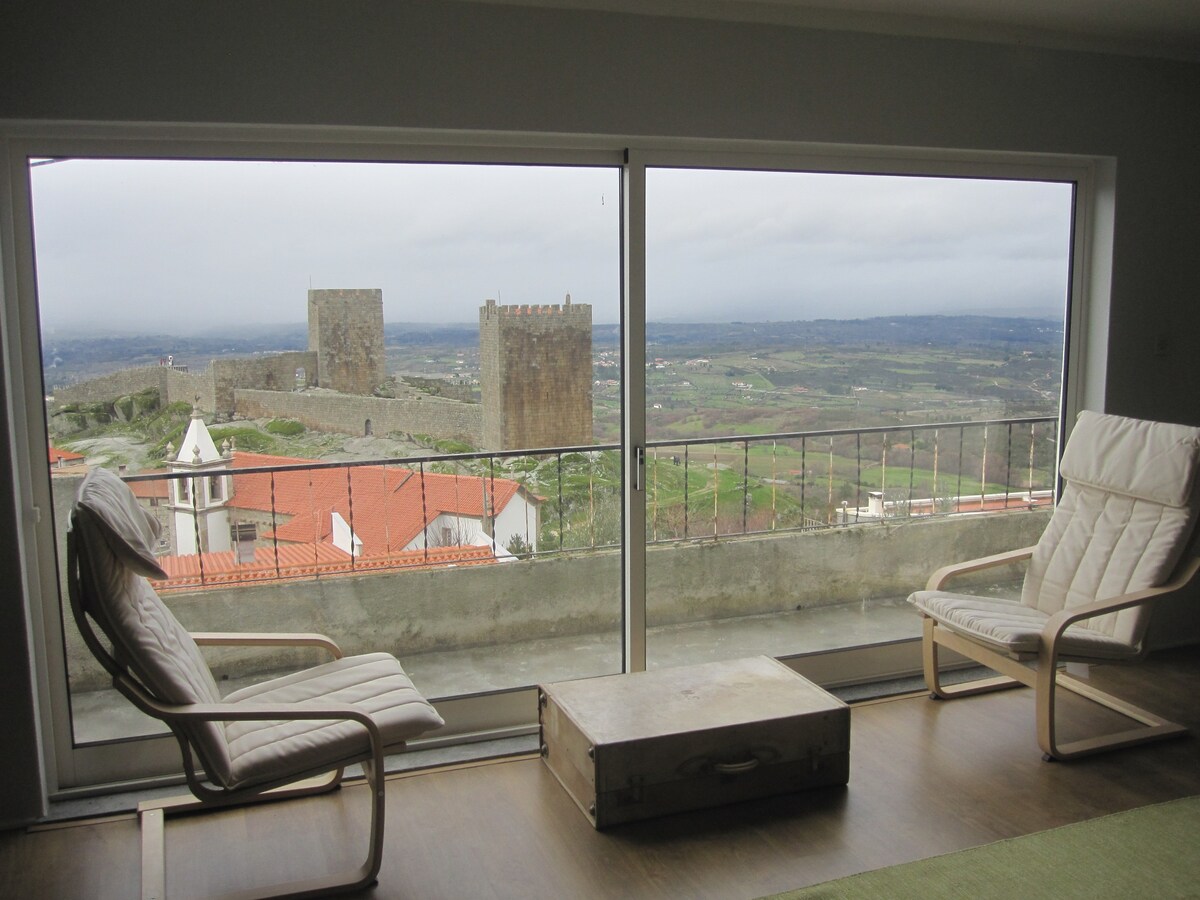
x,y
105,715
788,633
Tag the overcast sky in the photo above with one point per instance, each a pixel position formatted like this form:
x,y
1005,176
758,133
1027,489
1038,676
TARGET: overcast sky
x,y
182,245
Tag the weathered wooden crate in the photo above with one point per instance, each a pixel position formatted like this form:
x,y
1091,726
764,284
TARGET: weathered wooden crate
x,y
635,746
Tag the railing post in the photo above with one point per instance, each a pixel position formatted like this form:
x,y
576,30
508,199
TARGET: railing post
x,y
912,466
933,491
424,509
1032,432
350,510
654,496
803,480
831,515
983,470
745,484
958,490
775,482
1008,467
716,489
686,486
857,475
274,528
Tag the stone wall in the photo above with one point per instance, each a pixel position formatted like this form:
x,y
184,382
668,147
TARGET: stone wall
x,y
107,388
212,388
536,375
351,414
276,372
192,389
440,387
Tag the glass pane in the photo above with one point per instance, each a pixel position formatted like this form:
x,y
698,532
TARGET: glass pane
x,y
324,380
850,380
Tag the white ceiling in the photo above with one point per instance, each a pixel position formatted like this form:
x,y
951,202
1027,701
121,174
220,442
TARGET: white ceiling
x,y
1163,28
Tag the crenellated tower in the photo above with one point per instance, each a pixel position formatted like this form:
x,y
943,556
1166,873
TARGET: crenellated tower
x,y
536,375
345,330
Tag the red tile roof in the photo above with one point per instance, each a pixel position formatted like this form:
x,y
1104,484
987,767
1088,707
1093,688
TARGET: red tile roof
x,y
150,490
64,457
391,504
289,561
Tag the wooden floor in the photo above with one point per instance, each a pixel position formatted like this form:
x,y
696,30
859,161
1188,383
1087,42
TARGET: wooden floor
x,y
926,778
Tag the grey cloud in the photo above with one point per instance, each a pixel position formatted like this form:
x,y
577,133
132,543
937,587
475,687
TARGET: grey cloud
x,y
189,244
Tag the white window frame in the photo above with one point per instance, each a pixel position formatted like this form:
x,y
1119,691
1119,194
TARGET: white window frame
x,y
68,769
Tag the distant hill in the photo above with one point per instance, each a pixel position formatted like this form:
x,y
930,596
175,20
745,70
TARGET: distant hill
x,y
82,355
953,331
416,334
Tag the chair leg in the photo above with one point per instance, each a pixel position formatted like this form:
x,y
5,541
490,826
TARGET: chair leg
x,y
1150,728
1045,680
151,821
933,636
154,854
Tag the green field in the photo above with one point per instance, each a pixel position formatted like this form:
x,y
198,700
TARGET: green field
x,y
751,383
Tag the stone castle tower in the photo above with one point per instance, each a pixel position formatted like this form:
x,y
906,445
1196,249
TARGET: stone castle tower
x,y
345,330
536,375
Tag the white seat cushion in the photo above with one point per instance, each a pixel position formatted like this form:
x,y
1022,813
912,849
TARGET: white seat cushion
x,y
1011,627
374,682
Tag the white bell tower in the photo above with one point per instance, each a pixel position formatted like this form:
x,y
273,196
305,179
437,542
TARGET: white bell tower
x,y
199,501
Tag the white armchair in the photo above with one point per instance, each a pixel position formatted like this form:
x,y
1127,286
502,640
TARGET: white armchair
x,y
256,740
1120,537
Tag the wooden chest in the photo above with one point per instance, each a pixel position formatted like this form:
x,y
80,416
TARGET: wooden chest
x,y
630,747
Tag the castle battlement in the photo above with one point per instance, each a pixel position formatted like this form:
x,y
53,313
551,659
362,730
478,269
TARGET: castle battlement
x,y
535,372
566,309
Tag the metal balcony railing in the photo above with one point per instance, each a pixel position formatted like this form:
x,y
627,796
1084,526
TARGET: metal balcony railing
x,y
246,518
821,479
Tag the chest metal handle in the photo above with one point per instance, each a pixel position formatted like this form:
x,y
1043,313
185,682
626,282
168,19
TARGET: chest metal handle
x,y
736,768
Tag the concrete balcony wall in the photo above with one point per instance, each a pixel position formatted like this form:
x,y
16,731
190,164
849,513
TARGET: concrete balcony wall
x,y
579,593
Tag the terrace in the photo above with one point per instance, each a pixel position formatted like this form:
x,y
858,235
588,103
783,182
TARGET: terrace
x,y
751,550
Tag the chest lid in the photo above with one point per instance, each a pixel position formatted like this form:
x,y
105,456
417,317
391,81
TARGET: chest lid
x,y
615,709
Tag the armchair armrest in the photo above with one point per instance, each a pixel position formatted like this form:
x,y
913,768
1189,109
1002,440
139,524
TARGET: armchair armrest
x,y
247,711
938,579
258,712
1064,618
266,639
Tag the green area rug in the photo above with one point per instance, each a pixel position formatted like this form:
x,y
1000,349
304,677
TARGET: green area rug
x,y
1148,852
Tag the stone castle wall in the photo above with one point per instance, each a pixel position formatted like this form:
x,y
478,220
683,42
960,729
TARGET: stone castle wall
x,y
106,388
536,375
211,389
172,386
351,414
277,372
184,387
345,330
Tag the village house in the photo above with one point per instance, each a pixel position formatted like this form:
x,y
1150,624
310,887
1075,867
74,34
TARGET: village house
x,y
248,516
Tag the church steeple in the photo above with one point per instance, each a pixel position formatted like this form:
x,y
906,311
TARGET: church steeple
x,y
199,501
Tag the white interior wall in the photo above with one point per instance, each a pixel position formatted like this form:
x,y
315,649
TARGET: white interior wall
x,y
438,64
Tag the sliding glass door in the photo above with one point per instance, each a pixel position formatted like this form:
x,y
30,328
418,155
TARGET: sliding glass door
x,y
377,400
527,415
830,357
